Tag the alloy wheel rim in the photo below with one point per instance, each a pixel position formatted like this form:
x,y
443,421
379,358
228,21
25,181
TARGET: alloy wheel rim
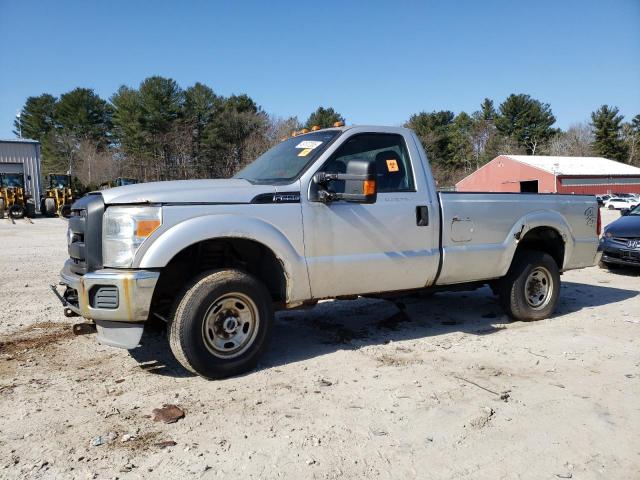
x,y
230,325
538,288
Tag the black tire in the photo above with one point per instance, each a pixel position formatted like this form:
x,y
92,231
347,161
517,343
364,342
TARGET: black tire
x,y
49,207
31,208
521,290
16,211
611,207
200,317
1,207
65,211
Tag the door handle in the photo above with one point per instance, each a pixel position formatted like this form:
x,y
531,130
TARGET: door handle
x,y
422,216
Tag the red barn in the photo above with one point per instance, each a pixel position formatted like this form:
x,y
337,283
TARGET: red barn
x,y
536,173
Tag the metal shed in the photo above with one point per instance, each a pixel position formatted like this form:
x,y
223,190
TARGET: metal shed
x,y
23,156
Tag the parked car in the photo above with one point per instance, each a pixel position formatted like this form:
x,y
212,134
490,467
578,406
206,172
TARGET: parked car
x,y
620,243
632,196
617,203
332,213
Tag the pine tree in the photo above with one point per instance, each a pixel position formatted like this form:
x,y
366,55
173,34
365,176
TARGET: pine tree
x,y
324,118
607,126
36,118
527,121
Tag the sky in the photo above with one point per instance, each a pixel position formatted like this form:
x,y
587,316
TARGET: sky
x,y
375,62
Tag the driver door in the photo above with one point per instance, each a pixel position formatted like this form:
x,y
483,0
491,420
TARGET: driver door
x,y
354,248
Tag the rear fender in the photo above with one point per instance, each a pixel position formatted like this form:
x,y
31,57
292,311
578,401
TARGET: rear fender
x,y
539,218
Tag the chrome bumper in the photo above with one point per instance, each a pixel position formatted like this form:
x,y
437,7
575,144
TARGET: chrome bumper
x,y
135,290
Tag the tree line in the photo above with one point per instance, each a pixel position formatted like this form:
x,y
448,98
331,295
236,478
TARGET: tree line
x,y
160,131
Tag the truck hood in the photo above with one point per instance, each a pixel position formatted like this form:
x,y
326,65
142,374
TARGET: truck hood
x,y
234,190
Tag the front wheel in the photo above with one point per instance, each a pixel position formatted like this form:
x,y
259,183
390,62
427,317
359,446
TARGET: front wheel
x,y
16,211
221,324
611,207
65,211
531,288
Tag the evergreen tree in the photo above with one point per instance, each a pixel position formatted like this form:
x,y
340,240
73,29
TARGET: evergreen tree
x,y
461,141
433,130
527,121
607,126
36,118
324,118
83,115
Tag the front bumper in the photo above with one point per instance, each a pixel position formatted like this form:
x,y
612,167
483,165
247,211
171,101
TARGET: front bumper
x,y
121,324
614,254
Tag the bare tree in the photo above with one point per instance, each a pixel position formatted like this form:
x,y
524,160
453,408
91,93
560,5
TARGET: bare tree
x,y
575,142
94,165
631,138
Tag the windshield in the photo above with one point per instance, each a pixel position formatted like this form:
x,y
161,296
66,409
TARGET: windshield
x,y
59,181
287,160
12,180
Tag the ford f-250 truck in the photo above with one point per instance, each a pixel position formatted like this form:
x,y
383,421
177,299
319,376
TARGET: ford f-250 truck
x,y
334,213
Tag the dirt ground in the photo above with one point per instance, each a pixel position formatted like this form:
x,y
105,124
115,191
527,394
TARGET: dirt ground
x,y
437,388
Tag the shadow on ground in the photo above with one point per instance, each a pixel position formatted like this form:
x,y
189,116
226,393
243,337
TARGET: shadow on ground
x,y
332,326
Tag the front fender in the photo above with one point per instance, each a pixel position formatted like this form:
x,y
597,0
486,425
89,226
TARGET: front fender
x,y
194,230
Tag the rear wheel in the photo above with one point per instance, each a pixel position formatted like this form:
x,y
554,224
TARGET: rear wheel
x,y
31,208
611,207
1,207
221,324
16,211
49,207
531,288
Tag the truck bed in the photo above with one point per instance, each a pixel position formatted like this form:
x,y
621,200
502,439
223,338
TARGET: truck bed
x,y
480,231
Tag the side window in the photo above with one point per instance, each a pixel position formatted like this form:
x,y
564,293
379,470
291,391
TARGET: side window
x,y
389,153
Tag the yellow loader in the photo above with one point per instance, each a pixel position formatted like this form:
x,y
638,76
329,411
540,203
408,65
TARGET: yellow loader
x,y
58,197
13,198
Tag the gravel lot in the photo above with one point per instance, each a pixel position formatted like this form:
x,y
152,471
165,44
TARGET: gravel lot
x,y
444,387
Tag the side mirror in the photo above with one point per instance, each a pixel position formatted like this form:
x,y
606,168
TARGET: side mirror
x,y
624,212
359,183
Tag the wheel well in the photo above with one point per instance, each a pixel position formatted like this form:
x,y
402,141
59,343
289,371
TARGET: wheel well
x,y
243,254
544,239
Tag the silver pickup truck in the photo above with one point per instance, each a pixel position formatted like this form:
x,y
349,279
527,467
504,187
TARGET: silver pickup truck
x,y
333,213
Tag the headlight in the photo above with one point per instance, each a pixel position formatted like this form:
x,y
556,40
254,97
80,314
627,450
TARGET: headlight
x,y
123,231
608,234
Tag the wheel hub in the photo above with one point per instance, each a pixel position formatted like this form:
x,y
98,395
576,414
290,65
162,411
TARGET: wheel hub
x,y
538,288
230,325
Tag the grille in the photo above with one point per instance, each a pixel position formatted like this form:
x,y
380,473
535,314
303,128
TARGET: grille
x,y
85,234
623,240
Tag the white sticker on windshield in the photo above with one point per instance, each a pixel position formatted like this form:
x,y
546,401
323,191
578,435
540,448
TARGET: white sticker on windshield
x,y
309,144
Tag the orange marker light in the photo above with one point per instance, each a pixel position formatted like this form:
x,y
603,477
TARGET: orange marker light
x,y
144,228
315,128
369,187
338,124
294,134
304,130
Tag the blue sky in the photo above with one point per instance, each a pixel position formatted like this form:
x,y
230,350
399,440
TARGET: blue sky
x,y
375,62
